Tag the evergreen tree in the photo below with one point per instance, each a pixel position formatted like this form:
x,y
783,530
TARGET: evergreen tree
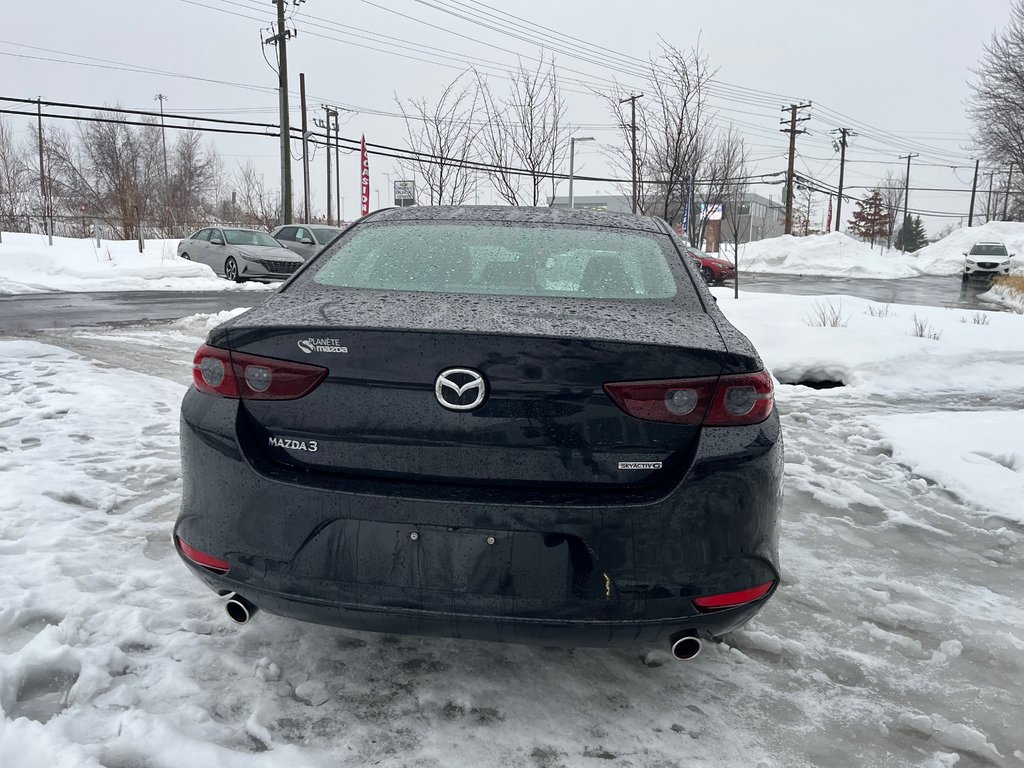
x,y
870,221
912,236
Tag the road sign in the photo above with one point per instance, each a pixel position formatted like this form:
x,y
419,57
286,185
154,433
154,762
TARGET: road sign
x,y
405,193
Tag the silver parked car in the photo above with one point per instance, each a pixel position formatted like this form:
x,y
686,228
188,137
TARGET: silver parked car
x,y
305,239
240,254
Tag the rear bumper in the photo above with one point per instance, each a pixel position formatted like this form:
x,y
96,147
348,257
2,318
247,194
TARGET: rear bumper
x,y
600,569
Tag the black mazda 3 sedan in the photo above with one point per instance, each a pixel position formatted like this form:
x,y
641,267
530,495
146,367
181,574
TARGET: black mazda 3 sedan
x,y
516,424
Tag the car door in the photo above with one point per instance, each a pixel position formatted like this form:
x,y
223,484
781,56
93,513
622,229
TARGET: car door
x,y
305,244
197,245
286,237
216,253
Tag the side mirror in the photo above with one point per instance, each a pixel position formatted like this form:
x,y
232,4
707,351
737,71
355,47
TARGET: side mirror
x,y
216,241
307,241
965,253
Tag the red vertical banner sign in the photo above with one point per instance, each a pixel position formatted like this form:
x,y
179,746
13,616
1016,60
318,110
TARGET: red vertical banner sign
x,y
828,227
365,177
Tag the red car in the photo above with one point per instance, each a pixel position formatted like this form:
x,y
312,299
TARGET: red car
x,y
713,270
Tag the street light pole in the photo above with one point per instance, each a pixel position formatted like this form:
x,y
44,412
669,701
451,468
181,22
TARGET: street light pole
x,y
572,163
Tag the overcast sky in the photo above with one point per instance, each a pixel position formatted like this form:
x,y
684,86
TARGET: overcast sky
x,y
896,71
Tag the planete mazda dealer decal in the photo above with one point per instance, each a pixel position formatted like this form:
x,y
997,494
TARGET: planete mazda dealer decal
x,y
312,345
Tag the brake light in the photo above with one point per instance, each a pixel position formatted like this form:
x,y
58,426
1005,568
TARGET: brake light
x,y
714,401
224,373
198,557
732,599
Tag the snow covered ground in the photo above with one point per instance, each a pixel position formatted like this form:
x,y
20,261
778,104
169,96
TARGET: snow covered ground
x,y
29,265
896,638
839,255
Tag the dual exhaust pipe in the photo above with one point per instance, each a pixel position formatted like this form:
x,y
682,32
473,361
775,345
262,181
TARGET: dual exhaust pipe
x,y
685,645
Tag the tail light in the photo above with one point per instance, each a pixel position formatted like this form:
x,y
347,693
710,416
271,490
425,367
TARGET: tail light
x,y
224,373
733,599
715,401
199,557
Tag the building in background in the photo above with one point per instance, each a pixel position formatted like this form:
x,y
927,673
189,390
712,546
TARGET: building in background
x,y
759,217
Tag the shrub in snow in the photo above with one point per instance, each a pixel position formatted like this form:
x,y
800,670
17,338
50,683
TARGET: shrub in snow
x,y
978,318
826,316
924,330
882,311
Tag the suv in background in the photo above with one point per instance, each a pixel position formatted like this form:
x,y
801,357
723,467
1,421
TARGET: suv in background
x,y
306,240
986,259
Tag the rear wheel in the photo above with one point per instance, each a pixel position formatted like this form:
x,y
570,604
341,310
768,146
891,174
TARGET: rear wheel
x,y
231,270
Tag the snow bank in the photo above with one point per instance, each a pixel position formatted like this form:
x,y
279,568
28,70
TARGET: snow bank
x,y
875,350
1005,296
29,265
834,254
979,455
838,255
946,257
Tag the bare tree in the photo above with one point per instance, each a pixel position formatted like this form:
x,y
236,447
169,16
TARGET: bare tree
x,y
997,104
805,210
734,156
525,130
447,133
892,189
674,135
190,190
110,171
16,182
721,183
256,206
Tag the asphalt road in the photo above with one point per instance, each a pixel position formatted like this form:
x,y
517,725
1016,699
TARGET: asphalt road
x,y
44,311
930,290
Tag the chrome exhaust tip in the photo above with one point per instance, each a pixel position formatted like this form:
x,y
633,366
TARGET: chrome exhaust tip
x,y
686,647
239,609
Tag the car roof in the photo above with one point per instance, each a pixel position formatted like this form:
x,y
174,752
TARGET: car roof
x,y
517,214
989,242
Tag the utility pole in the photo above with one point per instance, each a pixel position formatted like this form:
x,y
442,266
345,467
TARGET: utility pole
x,y
281,41
163,133
163,141
337,167
792,131
632,124
844,134
974,191
329,112
906,198
988,201
43,196
1006,197
305,149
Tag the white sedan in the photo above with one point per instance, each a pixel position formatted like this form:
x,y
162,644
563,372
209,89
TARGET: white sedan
x,y
240,254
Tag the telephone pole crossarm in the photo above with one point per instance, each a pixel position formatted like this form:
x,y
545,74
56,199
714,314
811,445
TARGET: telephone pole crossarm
x,y
844,135
793,131
632,124
280,39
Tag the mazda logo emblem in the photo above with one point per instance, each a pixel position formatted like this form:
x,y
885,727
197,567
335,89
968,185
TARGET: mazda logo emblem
x,y
460,389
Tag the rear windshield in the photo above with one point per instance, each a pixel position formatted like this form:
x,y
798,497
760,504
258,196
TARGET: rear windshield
x,y
988,250
503,259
